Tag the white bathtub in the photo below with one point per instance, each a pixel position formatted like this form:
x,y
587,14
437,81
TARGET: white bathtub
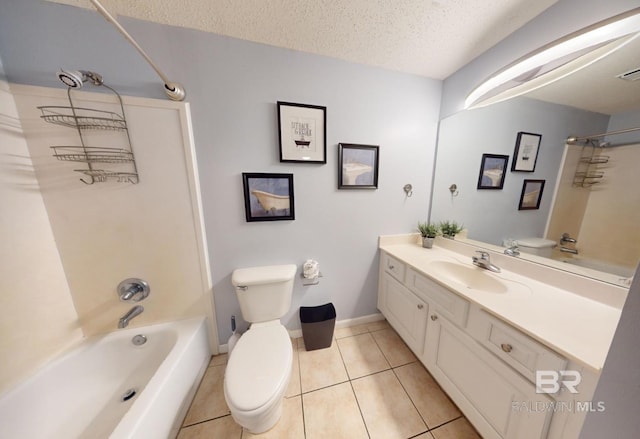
x,y
80,394
595,264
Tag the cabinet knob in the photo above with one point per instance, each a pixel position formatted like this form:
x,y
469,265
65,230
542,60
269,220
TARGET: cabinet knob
x,y
434,317
506,347
391,267
420,306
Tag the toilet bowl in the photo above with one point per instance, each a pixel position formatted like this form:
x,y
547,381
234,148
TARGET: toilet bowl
x,y
259,367
257,376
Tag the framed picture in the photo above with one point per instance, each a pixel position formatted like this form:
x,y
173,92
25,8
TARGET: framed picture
x,y
492,171
357,166
302,133
526,153
268,197
531,194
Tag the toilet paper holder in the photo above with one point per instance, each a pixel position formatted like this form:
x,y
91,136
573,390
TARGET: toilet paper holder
x,y
310,272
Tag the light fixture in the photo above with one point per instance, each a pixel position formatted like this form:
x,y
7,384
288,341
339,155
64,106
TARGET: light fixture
x,y
557,59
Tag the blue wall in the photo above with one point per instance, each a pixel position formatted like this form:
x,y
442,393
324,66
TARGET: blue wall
x,y
233,86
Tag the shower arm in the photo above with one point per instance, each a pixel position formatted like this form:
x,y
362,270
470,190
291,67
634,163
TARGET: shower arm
x,y
174,90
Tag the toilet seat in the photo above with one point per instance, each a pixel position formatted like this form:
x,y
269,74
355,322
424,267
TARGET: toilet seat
x,y
259,368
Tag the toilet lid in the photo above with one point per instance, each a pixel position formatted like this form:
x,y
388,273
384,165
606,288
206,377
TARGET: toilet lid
x,y
259,365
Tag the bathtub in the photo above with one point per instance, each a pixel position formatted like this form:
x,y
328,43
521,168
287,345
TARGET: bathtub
x,y
110,388
594,264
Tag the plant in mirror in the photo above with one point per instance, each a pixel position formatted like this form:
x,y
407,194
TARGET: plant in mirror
x,y
556,112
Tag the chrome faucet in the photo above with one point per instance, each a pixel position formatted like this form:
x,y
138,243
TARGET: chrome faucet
x,y
512,251
133,312
567,239
484,261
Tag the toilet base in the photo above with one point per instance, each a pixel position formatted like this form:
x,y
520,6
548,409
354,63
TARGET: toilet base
x,y
264,423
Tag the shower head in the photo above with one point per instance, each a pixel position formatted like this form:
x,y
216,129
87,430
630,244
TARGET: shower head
x,y
75,78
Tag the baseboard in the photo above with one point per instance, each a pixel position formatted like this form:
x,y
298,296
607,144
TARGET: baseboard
x,y
347,323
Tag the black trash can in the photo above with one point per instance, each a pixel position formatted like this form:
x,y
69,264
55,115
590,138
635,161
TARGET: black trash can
x,y
317,325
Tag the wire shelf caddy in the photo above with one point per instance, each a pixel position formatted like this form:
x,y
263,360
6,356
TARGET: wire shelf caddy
x,y
83,119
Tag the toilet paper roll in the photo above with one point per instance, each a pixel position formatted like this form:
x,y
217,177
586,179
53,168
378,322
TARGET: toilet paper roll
x,y
311,269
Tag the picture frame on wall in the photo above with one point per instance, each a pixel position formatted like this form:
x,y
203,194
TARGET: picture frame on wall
x,y
531,195
358,166
268,197
492,171
526,152
302,133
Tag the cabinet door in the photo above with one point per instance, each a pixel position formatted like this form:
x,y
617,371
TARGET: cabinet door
x,y
499,402
405,312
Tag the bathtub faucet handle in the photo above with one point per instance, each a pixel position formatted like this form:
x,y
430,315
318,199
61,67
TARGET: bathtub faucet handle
x,y
133,289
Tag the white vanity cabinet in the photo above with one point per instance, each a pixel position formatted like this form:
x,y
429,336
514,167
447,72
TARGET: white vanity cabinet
x,y
496,399
406,312
485,365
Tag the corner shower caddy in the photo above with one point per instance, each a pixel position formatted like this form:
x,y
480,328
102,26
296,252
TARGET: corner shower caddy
x,y
587,171
83,119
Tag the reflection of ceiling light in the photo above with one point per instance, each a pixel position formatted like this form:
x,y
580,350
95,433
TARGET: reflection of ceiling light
x,y
557,59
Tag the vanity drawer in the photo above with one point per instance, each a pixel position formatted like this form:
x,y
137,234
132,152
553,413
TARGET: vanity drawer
x,y
516,349
449,304
394,267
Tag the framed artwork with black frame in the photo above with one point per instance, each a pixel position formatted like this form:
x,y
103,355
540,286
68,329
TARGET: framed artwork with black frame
x,y
357,166
302,133
531,194
268,197
492,171
526,152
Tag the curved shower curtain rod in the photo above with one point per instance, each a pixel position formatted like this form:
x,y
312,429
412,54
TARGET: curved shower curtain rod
x,y
174,90
574,139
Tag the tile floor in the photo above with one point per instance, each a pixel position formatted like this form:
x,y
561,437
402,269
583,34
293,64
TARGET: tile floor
x,y
368,384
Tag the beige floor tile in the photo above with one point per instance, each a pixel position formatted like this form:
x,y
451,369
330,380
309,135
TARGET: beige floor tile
x,y
387,410
321,368
209,401
290,425
294,382
361,355
350,331
432,403
376,326
426,435
224,427
458,429
333,413
218,360
394,349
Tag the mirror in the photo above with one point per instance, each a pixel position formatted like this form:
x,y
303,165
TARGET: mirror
x,y
602,215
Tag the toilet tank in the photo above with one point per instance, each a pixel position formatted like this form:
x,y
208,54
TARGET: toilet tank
x,y
264,293
536,246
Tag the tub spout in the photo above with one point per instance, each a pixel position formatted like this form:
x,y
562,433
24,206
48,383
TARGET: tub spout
x,y
133,312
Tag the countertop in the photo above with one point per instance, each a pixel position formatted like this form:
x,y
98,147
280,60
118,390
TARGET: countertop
x,y
576,326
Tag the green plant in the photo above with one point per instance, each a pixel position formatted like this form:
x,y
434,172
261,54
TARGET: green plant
x,y
450,228
428,230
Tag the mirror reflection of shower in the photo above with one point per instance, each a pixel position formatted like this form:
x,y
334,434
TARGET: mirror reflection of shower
x,y
595,206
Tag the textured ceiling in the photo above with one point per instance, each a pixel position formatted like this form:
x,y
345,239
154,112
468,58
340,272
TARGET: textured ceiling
x,y
431,38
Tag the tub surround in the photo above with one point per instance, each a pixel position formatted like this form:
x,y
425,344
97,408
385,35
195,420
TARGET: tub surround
x,y
36,310
493,341
573,315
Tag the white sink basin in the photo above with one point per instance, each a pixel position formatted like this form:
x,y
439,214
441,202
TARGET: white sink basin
x,y
471,277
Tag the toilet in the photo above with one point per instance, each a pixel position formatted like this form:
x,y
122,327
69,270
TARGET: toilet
x,y
259,367
536,246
